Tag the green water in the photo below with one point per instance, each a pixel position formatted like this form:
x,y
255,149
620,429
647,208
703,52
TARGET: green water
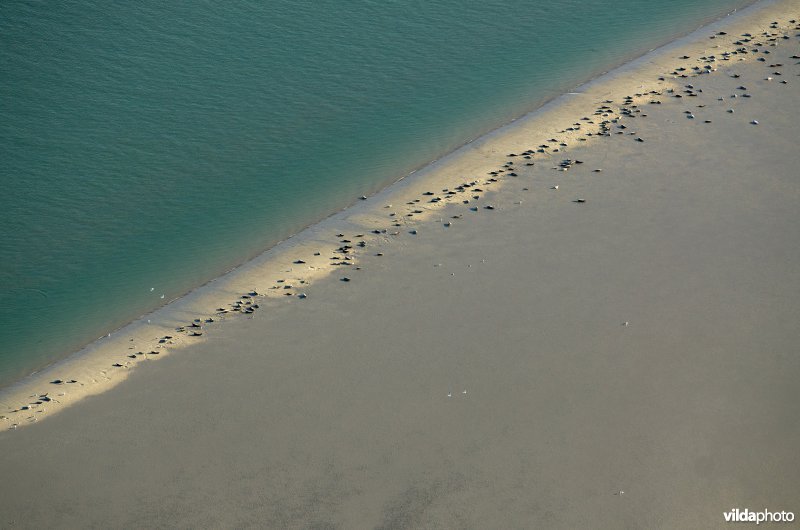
x,y
157,144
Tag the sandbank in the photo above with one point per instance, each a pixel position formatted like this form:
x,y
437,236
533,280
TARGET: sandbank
x,y
574,347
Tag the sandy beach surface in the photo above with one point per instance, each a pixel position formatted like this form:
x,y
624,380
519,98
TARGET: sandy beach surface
x,y
603,334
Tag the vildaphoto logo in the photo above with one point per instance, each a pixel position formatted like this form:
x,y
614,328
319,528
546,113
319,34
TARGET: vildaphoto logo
x,y
764,516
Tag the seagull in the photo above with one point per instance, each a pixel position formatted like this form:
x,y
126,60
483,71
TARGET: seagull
x,y
554,187
152,289
162,296
449,394
464,392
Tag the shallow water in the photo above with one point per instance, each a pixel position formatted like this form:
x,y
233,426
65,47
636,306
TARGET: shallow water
x,y
149,147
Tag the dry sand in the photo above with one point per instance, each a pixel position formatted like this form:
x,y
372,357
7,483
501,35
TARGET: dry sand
x,y
643,341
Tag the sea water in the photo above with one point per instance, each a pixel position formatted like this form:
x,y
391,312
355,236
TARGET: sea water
x,y
147,147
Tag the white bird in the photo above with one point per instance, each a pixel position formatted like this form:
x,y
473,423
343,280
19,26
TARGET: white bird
x,y
162,296
449,394
625,323
464,391
554,187
152,289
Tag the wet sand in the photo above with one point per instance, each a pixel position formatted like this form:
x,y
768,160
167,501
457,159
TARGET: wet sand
x,y
642,341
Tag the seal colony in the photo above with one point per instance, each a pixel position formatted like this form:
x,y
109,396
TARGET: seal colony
x,y
459,189
557,326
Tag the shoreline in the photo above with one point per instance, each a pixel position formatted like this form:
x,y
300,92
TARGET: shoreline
x,y
92,366
78,346
570,334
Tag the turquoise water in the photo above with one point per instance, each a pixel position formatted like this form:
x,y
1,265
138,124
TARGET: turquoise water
x,y
157,144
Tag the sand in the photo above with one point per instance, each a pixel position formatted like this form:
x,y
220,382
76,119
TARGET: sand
x,y
522,367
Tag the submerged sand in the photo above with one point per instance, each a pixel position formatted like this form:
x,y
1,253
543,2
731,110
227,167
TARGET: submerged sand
x,y
629,361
